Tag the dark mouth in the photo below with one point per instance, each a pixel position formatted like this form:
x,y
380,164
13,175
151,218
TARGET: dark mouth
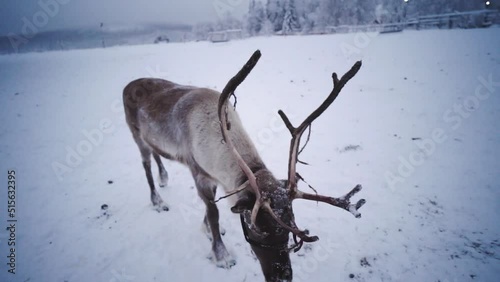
x,y
280,246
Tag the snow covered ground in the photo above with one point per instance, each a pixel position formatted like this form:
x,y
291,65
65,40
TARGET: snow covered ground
x,y
417,127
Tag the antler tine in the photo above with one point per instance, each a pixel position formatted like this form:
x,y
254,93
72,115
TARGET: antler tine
x,y
225,126
342,202
295,231
297,132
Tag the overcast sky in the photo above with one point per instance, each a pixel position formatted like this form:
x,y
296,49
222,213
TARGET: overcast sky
x,y
75,13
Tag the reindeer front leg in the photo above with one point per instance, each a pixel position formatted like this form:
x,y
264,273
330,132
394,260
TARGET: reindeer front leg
x,y
206,190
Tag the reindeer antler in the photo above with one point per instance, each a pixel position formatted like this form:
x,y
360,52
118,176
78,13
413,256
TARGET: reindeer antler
x,y
225,126
294,193
296,132
295,231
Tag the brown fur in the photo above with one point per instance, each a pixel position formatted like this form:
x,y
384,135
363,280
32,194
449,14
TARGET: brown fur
x,y
180,123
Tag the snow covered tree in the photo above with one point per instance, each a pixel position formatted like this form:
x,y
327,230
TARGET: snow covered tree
x,y
308,15
434,7
347,12
202,29
287,16
276,13
290,19
327,14
267,28
228,22
390,11
365,11
256,17
467,5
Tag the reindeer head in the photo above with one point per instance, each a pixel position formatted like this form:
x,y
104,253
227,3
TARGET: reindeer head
x,y
268,240
265,205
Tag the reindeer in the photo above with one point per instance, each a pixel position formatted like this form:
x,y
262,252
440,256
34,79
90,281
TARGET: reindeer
x,y
196,127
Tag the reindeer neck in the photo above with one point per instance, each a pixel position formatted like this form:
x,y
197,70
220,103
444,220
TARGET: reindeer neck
x,y
255,168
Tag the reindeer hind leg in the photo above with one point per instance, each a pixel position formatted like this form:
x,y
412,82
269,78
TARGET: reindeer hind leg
x,y
162,172
146,151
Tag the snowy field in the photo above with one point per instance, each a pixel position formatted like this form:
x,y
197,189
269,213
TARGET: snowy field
x,y
417,127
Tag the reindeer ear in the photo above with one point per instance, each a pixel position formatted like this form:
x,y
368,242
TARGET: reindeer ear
x,y
242,205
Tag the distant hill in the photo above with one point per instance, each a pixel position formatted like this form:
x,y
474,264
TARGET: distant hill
x,y
84,38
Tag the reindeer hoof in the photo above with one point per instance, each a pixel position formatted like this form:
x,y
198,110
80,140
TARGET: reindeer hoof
x,y
158,202
226,262
162,208
221,256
